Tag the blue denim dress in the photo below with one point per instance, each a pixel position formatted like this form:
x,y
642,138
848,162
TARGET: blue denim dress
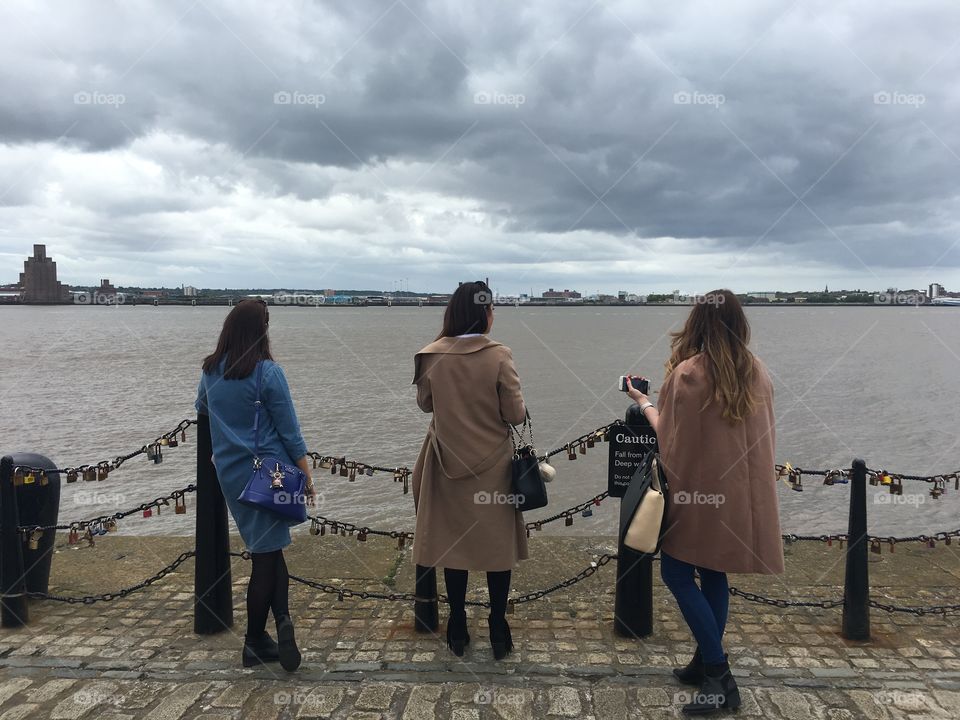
x,y
230,406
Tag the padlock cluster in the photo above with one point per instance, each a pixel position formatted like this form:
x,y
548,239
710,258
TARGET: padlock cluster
x,y
320,526
350,469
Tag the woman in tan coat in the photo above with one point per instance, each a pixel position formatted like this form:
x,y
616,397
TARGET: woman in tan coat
x,y
466,517
715,429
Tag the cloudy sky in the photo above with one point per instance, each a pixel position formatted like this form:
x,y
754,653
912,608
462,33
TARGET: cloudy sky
x,y
593,145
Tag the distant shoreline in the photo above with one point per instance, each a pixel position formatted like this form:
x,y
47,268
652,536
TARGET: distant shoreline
x,y
408,304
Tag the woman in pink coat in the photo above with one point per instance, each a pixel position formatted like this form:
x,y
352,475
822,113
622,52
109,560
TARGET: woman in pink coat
x,y
715,428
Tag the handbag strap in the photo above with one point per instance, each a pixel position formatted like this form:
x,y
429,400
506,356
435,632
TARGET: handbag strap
x,y
517,436
256,414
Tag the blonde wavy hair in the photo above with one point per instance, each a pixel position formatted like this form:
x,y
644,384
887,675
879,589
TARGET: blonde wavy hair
x,y
718,328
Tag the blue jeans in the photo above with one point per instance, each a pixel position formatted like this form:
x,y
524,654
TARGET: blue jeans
x,y
704,608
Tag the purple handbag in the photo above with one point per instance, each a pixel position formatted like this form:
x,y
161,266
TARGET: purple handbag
x,y
275,486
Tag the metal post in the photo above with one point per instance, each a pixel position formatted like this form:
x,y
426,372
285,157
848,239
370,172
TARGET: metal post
x,y
633,603
856,586
13,601
426,614
213,596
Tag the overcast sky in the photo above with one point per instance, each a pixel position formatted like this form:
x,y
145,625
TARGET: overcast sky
x,y
591,145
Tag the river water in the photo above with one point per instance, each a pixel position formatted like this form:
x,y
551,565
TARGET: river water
x,y
83,384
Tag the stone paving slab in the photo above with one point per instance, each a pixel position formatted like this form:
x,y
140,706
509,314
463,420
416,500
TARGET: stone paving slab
x,y
137,657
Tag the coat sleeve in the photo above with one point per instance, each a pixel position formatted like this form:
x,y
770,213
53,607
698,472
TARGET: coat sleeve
x,y
201,402
678,426
279,403
422,381
512,408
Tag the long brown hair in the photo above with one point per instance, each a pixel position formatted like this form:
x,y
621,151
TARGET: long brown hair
x,y
718,328
467,310
243,341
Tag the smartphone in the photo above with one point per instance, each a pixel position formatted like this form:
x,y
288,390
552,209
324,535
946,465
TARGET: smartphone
x,y
639,383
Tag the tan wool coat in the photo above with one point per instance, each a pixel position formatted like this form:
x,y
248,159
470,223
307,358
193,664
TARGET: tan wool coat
x,y
723,512
462,478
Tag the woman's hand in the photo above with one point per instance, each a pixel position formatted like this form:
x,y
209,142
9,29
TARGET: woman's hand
x,y
638,397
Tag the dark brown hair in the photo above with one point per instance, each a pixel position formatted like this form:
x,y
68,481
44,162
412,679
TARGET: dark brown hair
x,y
718,327
243,341
467,310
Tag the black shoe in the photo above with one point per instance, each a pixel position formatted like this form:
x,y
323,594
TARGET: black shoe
x,y
458,637
287,644
718,691
500,637
692,674
260,650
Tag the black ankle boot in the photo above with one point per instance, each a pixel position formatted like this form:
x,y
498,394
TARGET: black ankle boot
x,y
287,644
692,674
500,638
718,691
458,636
259,650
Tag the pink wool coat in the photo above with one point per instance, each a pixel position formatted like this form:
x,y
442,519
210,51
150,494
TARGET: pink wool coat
x,y
462,478
723,512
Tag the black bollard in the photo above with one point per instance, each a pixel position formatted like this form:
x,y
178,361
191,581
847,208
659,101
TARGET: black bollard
x,y
426,614
213,596
38,504
13,601
633,604
856,586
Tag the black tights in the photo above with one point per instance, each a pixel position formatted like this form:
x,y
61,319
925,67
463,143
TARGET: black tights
x,y
269,588
498,585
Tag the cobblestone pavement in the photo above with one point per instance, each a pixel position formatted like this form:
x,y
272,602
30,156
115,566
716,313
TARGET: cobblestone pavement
x,y
137,657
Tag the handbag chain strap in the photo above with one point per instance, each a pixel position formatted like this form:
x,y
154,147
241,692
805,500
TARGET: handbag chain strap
x,y
517,435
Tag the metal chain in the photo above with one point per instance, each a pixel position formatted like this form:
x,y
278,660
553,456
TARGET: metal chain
x,y
107,597
157,503
828,604
103,468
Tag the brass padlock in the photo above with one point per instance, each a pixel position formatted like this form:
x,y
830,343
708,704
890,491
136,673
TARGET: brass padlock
x,y
17,477
89,474
568,521
29,478
151,451
333,468
71,475
344,472
591,441
583,448
34,542
571,453
183,436
158,458
163,442
875,546
323,529
180,505
73,535
314,462
172,441
103,470
315,528
353,474
44,480
110,525
362,535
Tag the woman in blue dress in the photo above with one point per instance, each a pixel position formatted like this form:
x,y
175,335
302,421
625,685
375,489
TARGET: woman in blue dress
x,y
227,392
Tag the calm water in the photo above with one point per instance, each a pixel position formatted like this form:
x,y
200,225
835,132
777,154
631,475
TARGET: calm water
x,y
82,384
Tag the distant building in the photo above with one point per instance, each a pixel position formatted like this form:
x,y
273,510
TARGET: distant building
x,y
39,279
934,291
769,296
189,291
565,294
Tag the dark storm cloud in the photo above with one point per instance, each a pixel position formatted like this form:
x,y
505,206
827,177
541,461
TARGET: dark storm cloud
x,y
812,132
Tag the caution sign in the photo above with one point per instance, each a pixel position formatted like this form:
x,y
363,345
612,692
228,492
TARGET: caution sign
x,y
628,445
